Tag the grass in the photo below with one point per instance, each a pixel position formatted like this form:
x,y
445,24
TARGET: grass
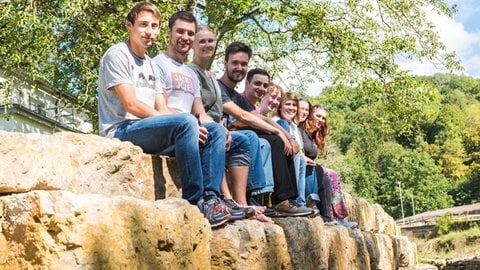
x,y
452,245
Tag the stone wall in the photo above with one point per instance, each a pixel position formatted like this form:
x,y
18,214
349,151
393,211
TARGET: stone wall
x,y
75,201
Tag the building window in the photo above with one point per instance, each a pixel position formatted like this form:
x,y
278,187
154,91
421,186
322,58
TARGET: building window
x,y
37,106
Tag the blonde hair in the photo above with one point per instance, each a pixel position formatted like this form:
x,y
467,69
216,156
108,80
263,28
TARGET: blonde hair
x,y
271,90
275,88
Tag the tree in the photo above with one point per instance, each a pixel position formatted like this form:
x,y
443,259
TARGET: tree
x,y
418,176
300,42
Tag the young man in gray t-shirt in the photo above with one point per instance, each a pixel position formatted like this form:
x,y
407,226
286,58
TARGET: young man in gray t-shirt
x,y
133,106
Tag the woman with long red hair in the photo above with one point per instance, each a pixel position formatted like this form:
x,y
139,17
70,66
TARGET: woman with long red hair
x,y
315,131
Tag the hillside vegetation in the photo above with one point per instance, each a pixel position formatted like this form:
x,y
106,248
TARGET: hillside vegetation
x,y
451,240
428,151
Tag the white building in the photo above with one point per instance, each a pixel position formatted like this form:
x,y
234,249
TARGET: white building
x,y
34,107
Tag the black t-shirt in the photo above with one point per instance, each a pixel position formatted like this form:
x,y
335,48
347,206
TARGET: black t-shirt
x,y
309,145
230,95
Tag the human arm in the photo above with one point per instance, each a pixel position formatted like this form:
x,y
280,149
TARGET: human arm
x,y
199,112
255,122
248,118
161,103
292,144
132,105
198,109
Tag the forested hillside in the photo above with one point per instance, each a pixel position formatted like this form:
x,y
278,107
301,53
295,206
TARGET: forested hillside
x,y
432,153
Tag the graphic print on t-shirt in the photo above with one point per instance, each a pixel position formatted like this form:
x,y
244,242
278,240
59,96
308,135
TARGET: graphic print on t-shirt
x,y
142,81
183,83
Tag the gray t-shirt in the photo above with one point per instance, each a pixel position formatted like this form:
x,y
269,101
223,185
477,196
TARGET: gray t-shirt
x,y
120,66
211,93
181,83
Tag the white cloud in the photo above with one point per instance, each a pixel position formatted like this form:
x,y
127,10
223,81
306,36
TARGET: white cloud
x,y
460,35
456,38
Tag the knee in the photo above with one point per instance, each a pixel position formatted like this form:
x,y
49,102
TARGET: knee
x,y
187,120
244,144
240,142
215,130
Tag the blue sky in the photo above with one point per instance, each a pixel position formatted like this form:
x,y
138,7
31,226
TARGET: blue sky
x,y
460,34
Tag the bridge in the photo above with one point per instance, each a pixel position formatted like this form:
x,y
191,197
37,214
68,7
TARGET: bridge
x,y
422,225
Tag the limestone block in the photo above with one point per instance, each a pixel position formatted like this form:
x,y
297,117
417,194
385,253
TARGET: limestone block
x,y
250,244
82,163
62,230
76,201
370,217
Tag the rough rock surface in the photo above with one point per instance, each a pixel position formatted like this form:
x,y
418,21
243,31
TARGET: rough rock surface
x,y
63,230
73,201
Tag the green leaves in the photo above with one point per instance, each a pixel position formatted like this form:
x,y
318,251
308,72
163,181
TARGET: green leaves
x,y
300,42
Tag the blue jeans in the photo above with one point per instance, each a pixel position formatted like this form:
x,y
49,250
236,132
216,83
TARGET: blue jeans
x,y
256,176
200,167
266,165
311,186
300,167
239,152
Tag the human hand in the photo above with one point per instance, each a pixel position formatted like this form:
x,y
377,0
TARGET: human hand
x,y
295,146
287,146
203,134
229,140
309,161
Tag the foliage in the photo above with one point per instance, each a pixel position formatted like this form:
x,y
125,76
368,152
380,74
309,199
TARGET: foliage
x,y
299,42
444,222
424,188
61,42
432,151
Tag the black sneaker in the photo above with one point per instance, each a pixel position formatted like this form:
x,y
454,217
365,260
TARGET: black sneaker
x,y
289,208
236,211
269,212
214,211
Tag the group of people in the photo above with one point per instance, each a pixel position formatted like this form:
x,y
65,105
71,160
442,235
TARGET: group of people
x,y
249,155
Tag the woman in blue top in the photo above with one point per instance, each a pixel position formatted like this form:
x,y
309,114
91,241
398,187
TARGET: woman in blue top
x,y
286,113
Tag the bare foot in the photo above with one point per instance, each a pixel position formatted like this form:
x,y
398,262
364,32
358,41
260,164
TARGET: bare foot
x,y
259,210
262,218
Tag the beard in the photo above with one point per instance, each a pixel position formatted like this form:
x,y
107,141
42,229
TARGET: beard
x,y
235,76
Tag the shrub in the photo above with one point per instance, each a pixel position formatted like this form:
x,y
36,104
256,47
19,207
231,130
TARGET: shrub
x,y
444,224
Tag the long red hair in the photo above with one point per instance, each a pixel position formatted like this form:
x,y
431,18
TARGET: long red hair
x,y
319,134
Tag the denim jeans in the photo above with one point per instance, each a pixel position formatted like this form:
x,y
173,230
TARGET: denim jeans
x,y
265,167
200,168
311,186
213,158
256,175
300,167
239,152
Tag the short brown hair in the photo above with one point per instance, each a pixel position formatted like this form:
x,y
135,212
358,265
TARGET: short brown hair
x,y
143,6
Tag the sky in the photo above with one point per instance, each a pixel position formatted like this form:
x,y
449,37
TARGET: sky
x,y
460,34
